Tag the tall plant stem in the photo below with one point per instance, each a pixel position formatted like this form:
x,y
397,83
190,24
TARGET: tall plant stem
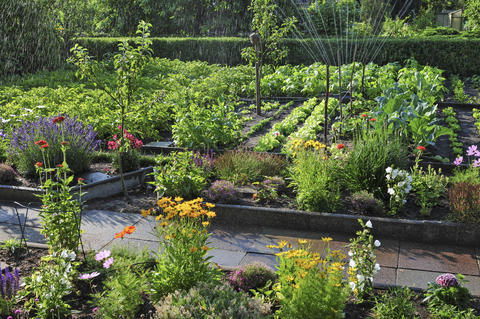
x,y
327,94
363,79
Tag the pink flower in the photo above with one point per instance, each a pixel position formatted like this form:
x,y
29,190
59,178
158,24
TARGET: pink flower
x,y
472,150
89,276
104,254
476,163
458,161
447,280
108,263
112,145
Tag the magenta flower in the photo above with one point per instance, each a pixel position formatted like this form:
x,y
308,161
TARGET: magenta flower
x,y
472,150
104,254
108,263
89,276
458,161
447,280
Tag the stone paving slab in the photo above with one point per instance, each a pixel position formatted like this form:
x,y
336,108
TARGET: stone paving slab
x,y
453,259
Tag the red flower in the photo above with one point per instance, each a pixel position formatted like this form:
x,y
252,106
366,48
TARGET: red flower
x,y
59,165
58,119
340,146
81,180
112,145
44,146
64,143
421,148
364,115
372,120
41,142
38,164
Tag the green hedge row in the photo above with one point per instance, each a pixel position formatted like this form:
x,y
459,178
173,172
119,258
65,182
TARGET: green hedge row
x,y
458,56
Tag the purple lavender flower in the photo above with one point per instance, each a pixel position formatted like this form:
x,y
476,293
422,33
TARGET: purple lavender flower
x,y
2,134
89,276
472,150
458,161
9,283
447,280
221,190
204,160
104,254
82,141
108,263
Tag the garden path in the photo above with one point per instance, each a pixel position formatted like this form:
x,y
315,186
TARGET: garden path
x,y
403,263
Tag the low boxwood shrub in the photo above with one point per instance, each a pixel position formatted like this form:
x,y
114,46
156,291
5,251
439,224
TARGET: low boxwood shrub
x,y
25,150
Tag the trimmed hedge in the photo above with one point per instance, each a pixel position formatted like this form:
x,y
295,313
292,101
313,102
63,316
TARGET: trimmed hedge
x,y
457,56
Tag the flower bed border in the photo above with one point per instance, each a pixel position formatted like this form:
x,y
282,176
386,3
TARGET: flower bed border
x,y
426,231
101,189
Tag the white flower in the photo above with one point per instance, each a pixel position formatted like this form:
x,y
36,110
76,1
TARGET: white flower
x,y
377,243
377,267
369,224
389,170
394,174
388,177
361,278
401,184
352,263
350,253
352,285
391,191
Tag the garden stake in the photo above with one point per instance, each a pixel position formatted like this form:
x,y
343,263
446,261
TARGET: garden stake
x,y
257,44
363,79
327,93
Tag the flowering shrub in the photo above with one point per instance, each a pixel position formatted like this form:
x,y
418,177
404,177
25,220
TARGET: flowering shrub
x,y
9,286
252,276
130,139
25,153
128,151
310,286
362,265
183,261
221,191
399,184
211,300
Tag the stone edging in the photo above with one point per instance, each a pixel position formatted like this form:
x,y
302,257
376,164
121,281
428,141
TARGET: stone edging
x,y
426,231
101,189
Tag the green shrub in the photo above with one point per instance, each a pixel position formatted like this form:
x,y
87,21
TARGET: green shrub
x,y
438,51
315,180
446,311
251,276
365,203
242,166
397,303
177,175
428,32
211,301
372,153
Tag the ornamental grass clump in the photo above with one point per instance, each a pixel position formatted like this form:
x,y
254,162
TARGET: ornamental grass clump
x,y
241,166
82,141
310,285
182,261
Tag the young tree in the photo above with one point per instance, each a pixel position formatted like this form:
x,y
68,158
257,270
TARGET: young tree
x,y
268,33
128,63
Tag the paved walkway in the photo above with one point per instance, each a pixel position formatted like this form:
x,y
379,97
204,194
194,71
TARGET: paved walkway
x,y
403,263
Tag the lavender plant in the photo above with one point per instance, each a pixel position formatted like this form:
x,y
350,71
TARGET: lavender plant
x,y
221,191
9,286
81,138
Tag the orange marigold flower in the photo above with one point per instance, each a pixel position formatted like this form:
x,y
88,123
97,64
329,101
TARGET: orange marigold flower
x,y
129,229
340,146
205,248
120,234
193,249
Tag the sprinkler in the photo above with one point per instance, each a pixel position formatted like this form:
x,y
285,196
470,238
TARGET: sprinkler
x,y
256,41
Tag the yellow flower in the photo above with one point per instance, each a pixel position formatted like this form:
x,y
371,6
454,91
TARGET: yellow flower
x,y
168,237
205,224
327,239
193,249
302,241
282,244
205,248
210,205
163,224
